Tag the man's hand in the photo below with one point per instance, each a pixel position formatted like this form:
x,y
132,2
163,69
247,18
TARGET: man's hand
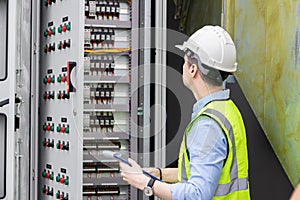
x,y
133,174
153,171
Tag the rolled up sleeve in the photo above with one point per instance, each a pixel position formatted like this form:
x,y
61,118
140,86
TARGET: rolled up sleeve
x,y
207,146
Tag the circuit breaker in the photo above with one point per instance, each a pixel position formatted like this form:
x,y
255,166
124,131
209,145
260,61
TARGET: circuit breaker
x,y
86,101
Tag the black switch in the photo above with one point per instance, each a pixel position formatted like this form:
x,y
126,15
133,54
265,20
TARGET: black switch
x,y
67,43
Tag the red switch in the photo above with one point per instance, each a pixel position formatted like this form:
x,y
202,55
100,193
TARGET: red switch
x,y
64,28
48,80
48,127
49,32
48,175
63,78
62,180
63,129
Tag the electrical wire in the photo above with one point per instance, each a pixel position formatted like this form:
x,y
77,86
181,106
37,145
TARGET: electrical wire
x,y
104,51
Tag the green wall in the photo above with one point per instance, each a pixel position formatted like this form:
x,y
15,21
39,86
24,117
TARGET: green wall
x,y
267,35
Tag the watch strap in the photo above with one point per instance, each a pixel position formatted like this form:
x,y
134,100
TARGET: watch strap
x,y
151,183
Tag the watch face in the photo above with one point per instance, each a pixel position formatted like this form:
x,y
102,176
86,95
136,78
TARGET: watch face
x,y
148,191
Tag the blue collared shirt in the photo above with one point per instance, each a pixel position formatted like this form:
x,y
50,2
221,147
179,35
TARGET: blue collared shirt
x,y
207,146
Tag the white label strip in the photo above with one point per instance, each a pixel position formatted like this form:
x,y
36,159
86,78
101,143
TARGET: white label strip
x,y
124,11
121,39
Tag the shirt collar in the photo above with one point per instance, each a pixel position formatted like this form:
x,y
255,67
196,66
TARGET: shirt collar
x,y
224,94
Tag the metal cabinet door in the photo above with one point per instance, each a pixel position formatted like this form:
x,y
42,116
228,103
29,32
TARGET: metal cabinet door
x,y
8,24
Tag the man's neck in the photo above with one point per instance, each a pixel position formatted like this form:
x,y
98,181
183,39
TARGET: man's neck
x,y
203,92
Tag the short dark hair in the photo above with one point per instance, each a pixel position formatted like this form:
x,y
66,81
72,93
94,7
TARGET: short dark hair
x,y
214,77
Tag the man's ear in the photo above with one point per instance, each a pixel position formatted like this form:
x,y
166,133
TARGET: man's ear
x,y
193,70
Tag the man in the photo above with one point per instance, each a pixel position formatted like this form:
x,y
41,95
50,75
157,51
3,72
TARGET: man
x,y
213,160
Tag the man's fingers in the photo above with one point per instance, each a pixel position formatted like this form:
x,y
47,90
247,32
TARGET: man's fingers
x,y
133,163
124,167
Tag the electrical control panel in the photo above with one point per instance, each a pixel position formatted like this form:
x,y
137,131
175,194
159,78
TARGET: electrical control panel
x,y
60,103
87,102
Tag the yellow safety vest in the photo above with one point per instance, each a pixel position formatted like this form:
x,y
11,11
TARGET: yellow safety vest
x,y
233,183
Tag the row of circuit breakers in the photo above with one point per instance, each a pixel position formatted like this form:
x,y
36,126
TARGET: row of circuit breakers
x,y
99,58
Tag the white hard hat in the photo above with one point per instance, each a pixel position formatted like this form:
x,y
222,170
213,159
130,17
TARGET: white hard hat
x,y
214,47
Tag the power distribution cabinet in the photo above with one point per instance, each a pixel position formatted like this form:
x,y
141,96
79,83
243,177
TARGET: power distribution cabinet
x,y
88,97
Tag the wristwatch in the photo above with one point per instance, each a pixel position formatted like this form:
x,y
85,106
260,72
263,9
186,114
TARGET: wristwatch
x,y
148,191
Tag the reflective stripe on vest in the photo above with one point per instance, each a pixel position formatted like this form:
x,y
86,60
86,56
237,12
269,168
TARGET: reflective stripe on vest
x,y
231,182
235,183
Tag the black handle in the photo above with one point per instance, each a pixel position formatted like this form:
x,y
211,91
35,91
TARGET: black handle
x,y
4,102
70,66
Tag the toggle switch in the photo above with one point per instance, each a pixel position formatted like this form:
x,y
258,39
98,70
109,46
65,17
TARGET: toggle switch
x,y
51,143
49,2
64,44
44,173
66,197
50,191
48,127
48,95
60,45
64,28
51,95
52,47
63,95
66,95
62,195
67,43
58,128
44,142
62,78
58,178
66,182
49,79
62,180
45,127
47,174
68,26
46,33
59,145
63,129
59,29
46,49
65,146
44,189
67,130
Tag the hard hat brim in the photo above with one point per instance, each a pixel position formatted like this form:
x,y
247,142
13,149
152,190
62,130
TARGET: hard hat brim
x,y
179,46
